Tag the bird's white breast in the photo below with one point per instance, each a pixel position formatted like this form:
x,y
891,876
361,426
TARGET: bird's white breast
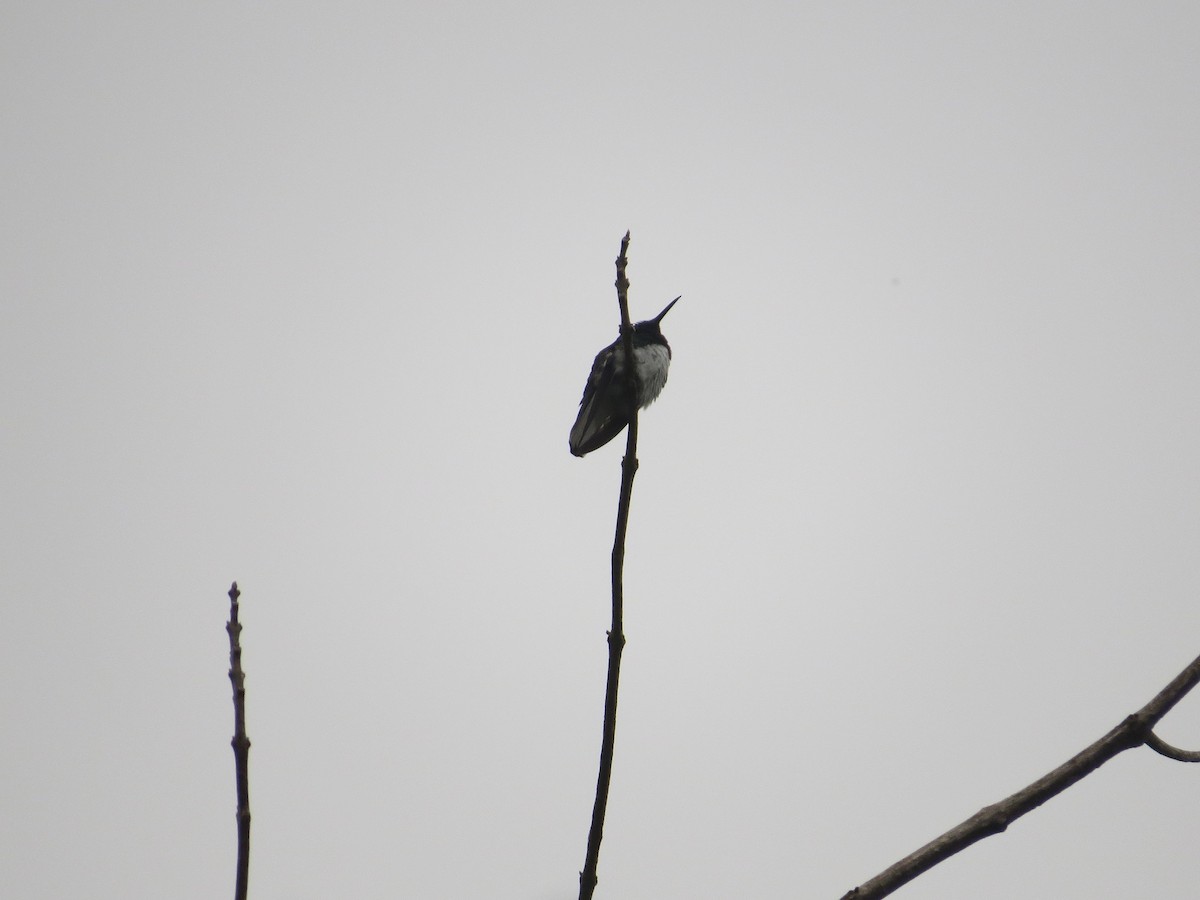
x,y
651,363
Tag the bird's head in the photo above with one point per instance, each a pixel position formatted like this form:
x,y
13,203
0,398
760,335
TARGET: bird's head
x,y
652,326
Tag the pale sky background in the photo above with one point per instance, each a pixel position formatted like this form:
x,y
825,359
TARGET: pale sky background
x,y
305,295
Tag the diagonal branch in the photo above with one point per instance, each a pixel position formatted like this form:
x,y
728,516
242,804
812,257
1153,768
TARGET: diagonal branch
x,y
616,634
1134,731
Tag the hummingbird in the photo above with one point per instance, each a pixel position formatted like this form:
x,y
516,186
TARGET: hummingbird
x,y
611,397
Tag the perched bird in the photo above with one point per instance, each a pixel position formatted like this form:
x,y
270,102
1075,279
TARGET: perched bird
x,y
611,397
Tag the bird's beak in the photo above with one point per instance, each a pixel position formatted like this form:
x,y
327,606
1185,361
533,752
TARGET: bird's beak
x,y
659,317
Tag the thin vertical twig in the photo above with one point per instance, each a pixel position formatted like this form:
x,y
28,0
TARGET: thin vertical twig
x,y
616,634
241,745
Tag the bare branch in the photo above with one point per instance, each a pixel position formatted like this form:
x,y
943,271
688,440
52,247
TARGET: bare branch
x,y
241,745
616,634
1134,731
1158,745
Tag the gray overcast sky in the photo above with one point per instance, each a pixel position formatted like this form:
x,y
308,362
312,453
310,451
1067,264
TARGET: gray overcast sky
x,y
305,295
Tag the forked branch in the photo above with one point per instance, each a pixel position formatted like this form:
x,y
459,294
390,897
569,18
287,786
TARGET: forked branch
x,y
1134,731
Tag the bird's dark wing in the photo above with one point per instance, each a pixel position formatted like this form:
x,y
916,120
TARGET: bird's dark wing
x,y
608,402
